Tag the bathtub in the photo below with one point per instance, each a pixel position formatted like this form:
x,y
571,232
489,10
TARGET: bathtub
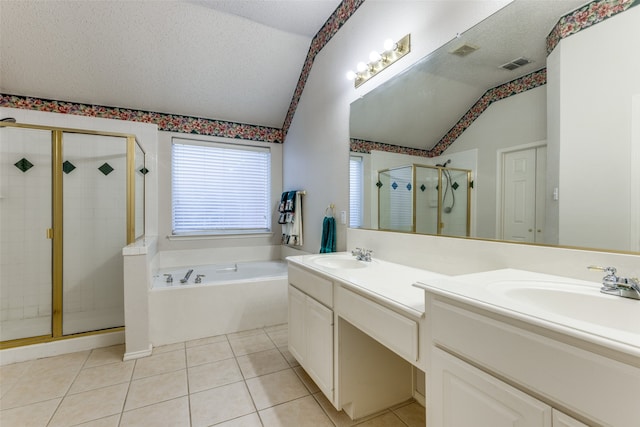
x,y
231,297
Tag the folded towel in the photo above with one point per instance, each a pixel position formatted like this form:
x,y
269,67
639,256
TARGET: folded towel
x,y
328,242
291,218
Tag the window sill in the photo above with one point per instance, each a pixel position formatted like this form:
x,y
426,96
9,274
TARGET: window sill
x,y
218,236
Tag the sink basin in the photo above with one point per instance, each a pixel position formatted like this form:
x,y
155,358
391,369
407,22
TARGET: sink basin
x,y
343,262
577,302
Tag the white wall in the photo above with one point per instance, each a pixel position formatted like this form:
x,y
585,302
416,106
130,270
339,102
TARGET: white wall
x,y
316,149
597,73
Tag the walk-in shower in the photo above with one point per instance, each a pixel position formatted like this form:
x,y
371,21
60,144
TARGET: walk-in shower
x,y
70,200
425,199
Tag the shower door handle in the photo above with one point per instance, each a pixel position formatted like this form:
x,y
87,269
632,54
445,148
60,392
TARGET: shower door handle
x,y
49,233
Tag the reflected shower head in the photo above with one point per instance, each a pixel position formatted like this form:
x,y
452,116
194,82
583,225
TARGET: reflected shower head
x,y
8,120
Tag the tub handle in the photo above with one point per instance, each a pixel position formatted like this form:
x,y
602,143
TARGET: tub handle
x,y
199,278
169,278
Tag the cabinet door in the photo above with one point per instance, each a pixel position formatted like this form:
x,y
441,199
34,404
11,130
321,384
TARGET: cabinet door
x,y
297,328
464,396
563,420
319,358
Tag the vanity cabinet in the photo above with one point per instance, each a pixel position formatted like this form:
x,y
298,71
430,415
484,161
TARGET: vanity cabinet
x,y
487,369
311,326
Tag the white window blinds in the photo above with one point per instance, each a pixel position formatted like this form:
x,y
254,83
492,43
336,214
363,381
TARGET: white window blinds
x,y
220,188
355,191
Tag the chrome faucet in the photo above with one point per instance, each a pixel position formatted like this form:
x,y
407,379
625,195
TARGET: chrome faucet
x,y
169,278
199,278
185,279
362,254
619,286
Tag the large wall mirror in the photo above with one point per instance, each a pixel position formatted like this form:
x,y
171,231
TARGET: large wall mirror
x,y
492,102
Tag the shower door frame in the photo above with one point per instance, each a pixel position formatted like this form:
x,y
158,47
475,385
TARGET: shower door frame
x,y
55,233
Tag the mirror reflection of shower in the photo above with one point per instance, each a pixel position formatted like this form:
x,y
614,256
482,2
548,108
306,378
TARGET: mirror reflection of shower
x,y
448,189
421,198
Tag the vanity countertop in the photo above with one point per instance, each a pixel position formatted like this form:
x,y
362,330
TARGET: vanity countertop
x,y
390,282
563,305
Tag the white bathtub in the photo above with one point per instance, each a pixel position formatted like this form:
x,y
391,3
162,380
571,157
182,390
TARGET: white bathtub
x,y
227,300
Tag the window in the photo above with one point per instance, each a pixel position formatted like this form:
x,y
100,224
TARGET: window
x,y
355,191
220,188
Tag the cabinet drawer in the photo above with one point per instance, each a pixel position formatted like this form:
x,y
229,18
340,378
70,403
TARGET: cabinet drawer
x,y
391,329
317,287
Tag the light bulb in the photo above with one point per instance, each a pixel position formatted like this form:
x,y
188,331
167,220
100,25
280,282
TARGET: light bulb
x,y
351,75
361,66
389,45
374,56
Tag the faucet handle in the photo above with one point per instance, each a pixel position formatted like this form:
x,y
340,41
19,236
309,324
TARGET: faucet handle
x,y
169,278
610,281
611,271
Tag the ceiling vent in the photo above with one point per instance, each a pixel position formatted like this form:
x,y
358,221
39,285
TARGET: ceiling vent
x,y
464,50
516,63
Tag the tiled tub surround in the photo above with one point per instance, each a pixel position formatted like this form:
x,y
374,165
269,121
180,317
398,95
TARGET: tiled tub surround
x,y
242,379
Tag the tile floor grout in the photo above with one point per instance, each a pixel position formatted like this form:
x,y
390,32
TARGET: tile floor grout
x,y
237,351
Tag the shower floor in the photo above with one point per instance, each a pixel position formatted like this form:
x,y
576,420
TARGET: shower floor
x,y
73,323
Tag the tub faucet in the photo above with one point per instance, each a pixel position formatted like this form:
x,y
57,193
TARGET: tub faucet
x,y
169,278
185,279
199,278
619,286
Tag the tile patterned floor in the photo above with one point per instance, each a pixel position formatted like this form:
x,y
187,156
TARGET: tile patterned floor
x,y
244,379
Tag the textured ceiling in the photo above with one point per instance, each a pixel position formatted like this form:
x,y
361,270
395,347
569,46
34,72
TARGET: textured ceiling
x,y
229,60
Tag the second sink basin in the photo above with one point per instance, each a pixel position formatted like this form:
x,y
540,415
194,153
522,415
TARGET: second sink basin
x,y
582,303
345,262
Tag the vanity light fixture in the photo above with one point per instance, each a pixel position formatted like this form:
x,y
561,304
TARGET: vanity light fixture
x,y
379,61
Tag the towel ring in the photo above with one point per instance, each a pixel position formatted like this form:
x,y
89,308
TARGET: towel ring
x,y
330,210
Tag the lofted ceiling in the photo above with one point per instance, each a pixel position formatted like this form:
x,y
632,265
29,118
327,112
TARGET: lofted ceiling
x,y
229,60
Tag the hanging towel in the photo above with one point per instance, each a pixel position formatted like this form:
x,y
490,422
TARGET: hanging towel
x,y
291,218
328,242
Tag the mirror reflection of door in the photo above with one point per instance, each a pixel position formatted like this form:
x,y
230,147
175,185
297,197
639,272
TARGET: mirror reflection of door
x,y
523,194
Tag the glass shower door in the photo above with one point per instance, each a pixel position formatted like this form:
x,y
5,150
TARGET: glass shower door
x,y
426,200
25,217
95,231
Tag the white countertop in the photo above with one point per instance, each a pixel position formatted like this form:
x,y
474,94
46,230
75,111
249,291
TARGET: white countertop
x,y
393,283
582,312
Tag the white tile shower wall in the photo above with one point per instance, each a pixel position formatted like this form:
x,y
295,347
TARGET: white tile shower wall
x,y
25,214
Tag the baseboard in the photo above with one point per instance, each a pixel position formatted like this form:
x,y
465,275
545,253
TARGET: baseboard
x,y
138,354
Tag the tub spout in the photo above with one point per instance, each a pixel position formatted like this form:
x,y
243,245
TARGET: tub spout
x,y
185,279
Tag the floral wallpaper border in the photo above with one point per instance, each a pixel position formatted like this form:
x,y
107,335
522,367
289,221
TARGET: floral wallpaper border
x,y
514,87
165,122
364,146
337,19
584,17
